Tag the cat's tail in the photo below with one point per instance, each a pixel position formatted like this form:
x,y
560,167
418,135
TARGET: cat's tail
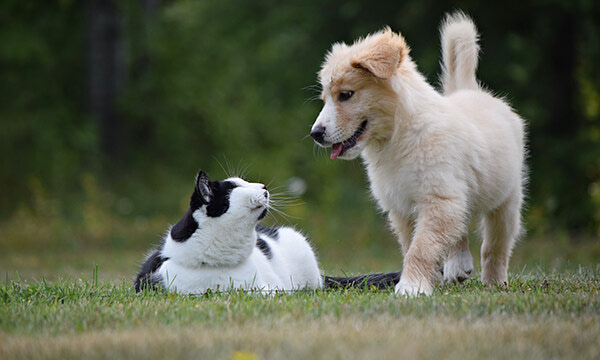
x,y
459,53
369,281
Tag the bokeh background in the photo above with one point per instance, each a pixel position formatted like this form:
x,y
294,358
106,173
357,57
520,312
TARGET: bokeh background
x,y
108,109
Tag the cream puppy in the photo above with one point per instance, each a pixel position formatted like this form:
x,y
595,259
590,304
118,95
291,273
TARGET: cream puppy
x,y
435,161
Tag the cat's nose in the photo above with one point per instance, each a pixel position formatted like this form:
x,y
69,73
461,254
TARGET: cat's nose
x,y
266,193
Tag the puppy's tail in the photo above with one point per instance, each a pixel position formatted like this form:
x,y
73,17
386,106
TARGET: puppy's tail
x,y
378,281
459,53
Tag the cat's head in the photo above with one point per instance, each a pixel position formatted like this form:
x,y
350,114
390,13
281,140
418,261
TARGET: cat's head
x,y
234,198
220,219
222,206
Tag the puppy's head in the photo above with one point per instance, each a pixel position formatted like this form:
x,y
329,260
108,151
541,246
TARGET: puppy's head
x,y
357,94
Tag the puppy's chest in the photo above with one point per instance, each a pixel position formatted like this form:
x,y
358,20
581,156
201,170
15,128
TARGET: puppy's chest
x,y
393,188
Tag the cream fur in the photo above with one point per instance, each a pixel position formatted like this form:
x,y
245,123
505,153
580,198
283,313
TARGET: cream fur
x,y
435,162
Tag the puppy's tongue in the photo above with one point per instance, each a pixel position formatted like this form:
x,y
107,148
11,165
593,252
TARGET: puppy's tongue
x,y
336,150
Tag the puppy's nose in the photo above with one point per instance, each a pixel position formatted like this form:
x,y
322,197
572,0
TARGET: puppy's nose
x,y
317,133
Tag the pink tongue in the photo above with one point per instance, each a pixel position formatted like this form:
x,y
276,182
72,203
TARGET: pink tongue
x,y
336,149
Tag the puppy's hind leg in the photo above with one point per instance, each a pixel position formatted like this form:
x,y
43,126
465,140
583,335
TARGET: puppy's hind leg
x,y
501,228
459,264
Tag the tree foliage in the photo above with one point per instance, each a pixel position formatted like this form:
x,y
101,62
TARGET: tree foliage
x,y
209,82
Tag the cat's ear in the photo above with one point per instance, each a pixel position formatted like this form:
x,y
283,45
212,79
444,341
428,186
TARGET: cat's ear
x,y
202,186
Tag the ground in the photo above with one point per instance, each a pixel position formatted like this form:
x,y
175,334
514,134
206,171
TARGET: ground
x,y
81,306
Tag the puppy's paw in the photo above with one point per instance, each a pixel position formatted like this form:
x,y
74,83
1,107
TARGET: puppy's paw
x,y
494,276
407,289
459,267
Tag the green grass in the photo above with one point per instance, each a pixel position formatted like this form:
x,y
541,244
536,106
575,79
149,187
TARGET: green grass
x,y
65,294
539,315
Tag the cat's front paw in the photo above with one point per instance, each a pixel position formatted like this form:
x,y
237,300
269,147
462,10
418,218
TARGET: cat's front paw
x,y
458,268
408,289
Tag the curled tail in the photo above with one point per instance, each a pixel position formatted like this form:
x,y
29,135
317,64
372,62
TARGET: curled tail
x,y
379,281
459,53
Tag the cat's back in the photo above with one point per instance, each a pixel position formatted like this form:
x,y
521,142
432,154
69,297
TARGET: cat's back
x,y
147,277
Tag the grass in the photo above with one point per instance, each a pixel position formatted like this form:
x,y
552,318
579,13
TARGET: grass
x,y
66,294
540,315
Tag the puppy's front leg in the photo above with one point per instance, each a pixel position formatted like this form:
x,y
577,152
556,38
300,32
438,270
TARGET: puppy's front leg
x,y
440,223
403,227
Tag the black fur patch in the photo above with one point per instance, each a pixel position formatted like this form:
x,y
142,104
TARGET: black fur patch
x,y
184,229
273,233
379,280
264,247
263,214
219,203
145,279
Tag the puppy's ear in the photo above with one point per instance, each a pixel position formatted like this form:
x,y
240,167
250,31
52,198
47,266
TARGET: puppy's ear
x,y
202,187
383,56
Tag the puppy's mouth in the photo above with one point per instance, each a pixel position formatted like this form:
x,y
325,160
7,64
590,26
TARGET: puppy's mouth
x,y
340,148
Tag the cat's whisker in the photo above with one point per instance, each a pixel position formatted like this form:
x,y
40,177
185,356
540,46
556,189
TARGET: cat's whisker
x,y
268,186
223,167
226,168
282,196
285,199
242,169
285,206
276,187
286,203
277,214
287,217
283,193
232,171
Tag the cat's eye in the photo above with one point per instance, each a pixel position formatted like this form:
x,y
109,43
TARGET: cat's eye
x,y
345,95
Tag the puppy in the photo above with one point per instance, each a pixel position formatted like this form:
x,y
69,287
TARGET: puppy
x,y
436,161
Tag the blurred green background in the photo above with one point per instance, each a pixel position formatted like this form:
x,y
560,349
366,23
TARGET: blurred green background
x,y
108,109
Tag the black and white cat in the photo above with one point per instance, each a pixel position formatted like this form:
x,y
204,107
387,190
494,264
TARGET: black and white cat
x,y
219,245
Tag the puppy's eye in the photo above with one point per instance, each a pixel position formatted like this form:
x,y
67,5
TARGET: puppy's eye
x,y
345,95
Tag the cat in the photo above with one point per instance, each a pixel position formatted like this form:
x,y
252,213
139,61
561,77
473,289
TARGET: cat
x,y
218,245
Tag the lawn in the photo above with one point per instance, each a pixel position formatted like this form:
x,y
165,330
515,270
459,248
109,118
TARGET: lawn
x,y
547,311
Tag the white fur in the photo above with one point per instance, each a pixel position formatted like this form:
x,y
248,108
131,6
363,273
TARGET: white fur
x,y
222,254
327,118
298,257
459,53
435,161
408,289
459,263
